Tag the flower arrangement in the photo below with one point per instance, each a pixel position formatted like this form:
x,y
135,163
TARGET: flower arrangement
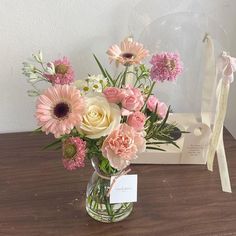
x,y
112,118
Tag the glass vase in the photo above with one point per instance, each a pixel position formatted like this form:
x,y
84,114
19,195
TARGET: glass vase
x,y
98,203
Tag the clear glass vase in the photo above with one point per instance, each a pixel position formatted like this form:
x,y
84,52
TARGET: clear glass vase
x,y
98,203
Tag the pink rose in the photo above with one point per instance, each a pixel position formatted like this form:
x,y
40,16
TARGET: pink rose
x,y
151,103
162,109
122,145
132,98
137,120
113,94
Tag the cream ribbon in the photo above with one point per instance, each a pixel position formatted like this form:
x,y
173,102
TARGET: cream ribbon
x,y
209,80
226,66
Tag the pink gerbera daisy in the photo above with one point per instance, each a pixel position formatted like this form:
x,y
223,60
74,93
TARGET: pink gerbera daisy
x,y
64,73
59,109
74,151
166,66
129,52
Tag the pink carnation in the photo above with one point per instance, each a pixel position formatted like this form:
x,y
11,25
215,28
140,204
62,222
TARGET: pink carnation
x,y
113,94
137,120
166,66
74,151
156,106
132,99
122,146
64,73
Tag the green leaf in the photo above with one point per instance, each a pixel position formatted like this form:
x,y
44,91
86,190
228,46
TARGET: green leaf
x,y
150,92
156,143
52,144
164,120
58,148
36,131
100,66
156,148
110,78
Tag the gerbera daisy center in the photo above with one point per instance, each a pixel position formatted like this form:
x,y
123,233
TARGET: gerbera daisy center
x,y
61,110
127,55
61,69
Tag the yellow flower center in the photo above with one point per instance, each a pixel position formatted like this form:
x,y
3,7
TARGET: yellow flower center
x,y
70,151
61,69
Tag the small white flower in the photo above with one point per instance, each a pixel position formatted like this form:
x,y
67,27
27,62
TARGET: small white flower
x,y
33,76
95,86
38,57
98,78
82,85
50,68
28,68
32,93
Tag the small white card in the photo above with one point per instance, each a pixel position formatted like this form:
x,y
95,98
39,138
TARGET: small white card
x,y
124,189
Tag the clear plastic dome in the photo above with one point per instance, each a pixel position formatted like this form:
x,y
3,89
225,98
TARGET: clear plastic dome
x,y
184,33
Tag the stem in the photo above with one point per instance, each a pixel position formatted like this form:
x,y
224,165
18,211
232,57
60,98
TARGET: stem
x,y
124,76
42,66
149,94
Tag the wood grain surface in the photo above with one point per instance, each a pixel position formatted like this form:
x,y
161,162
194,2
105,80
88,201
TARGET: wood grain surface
x,y
39,197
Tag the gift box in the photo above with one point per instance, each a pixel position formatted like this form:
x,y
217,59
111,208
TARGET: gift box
x,y
199,97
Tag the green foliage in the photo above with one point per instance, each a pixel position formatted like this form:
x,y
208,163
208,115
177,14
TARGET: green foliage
x,y
160,132
104,72
105,166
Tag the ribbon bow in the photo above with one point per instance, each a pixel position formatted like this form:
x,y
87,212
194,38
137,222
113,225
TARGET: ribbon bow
x,y
227,66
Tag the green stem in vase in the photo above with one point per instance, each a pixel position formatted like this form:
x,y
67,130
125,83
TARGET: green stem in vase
x,y
124,76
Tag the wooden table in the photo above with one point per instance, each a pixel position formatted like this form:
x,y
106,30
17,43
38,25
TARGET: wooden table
x,y
39,197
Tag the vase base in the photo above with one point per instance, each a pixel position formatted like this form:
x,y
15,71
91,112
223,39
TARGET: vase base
x,y
101,215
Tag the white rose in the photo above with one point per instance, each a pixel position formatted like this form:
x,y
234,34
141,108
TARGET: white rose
x,y
100,118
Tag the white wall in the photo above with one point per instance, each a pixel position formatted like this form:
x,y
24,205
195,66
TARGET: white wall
x,y
75,28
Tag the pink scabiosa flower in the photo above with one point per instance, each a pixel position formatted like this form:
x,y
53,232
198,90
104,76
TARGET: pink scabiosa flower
x,y
122,145
59,109
129,52
64,73
74,151
166,66
153,105
137,120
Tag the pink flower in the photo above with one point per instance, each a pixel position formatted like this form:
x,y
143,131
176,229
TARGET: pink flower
x,y
132,99
165,66
137,120
74,151
129,52
156,106
122,146
162,109
59,109
113,94
152,103
64,73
